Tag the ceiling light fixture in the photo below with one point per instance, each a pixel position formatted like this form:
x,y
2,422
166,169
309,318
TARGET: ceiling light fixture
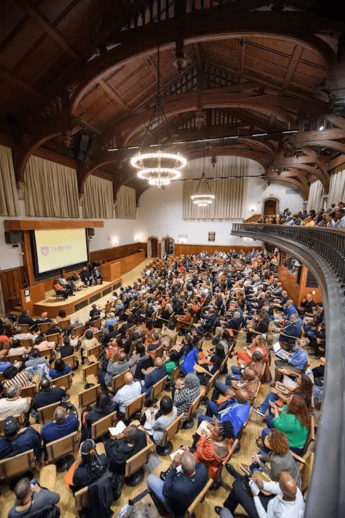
x,y
203,196
159,168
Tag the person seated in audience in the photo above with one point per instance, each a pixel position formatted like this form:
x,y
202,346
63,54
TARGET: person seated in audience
x,y
249,382
48,394
304,389
60,290
53,330
40,369
89,466
95,313
123,447
34,499
294,362
87,343
66,349
214,359
171,363
111,320
34,359
138,353
42,344
64,423
17,348
290,332
184,319
257,365
186,391
245,356
167,333
130,391
114,368
43,319
256,327
293,420
3,363
153,345
114,347
62,316
103,407
12,376
279,458
213,445
86,277
13,404
4,339
285,500
26,319
236,410
17,441
157,373
157,421
60,369
180,487
69,287
226,341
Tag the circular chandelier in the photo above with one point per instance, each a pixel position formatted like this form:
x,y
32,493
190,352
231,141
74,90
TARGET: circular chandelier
x,y
159,168
203,196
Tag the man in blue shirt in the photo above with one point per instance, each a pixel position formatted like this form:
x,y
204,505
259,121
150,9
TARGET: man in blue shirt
x,y
111,321
295,362
289,309
19,441
63,424
291,331
154,376
3,363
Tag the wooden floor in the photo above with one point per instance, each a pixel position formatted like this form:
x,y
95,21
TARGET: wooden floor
x,y
213,498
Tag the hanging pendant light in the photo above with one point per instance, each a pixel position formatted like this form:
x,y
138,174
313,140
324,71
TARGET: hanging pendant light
x,y
203,195
159,168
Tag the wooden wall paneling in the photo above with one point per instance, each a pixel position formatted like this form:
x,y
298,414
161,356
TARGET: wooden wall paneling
x,y
50,224
297,292
37,293
12,280
111,271
185,249
27,259
116,252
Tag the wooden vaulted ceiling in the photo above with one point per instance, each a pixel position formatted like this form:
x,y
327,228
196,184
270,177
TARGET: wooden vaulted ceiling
x,y
62,73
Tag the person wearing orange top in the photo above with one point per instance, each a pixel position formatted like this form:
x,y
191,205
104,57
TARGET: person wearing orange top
x,y
245,356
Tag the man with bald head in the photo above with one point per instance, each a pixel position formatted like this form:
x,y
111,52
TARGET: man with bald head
x,y
285,500
179,488
63,424
130,391
156,374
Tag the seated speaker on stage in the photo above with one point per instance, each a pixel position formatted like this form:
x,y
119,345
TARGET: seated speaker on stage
x,y
59,290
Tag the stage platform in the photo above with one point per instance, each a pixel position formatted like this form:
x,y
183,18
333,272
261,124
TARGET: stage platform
x,y
82,298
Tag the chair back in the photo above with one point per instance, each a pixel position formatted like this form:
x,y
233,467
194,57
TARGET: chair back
x,y
79,330
311,435
54,338
81,500
101,427
175,373
70,360
135,406
46,413
172,430
211,383
173,340
15,358
194,406
306,471
240,433
90,369
138,461
93,351
88,396
26,342
158,388
118,381
97,323
43,327
17,465
191,509
29,391
107,307
25,327
159,352
62,447
64,324
63,381
47,352
97,335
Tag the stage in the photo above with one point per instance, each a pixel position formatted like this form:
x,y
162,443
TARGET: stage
x,y
82,298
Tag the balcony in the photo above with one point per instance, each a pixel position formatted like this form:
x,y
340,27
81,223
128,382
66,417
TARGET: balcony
x,y
323,252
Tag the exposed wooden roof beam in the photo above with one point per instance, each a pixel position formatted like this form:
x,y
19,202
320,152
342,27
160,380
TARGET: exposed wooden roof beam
x,y
297,52
47,27
17,82
113,95
149,63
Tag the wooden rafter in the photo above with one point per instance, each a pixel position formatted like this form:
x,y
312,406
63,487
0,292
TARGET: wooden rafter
x,y
47,27
17,82
297,52
113,96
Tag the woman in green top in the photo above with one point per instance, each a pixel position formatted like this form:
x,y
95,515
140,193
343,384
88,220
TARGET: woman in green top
x,y
293,421
172,363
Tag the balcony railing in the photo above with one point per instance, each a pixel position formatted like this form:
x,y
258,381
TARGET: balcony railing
x,y
323,252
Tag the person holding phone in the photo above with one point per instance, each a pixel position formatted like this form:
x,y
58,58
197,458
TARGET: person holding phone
x,y
284,501
31,498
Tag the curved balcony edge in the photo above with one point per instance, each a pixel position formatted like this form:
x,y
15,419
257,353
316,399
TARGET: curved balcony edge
x,y
325,259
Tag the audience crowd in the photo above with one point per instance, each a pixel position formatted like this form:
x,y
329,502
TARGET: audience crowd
x,y
331,217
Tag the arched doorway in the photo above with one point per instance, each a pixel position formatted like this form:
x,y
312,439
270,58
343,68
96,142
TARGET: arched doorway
x,y
152,246
271,207
168,246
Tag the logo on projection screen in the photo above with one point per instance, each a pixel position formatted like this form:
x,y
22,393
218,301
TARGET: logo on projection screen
x,y
54,249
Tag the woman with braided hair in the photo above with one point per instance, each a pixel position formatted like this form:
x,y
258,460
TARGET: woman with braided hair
x,y
90,466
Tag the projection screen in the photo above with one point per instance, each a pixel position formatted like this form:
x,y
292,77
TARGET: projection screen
x,y
60,248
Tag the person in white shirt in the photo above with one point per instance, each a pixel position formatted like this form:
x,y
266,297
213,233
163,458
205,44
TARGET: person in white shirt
x,y
130,391
14,404
285,500
340,214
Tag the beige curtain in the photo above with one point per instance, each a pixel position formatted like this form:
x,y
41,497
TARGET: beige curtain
x,y
228,190
315,196
51,189
126,204
98,201
337,188
8,192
